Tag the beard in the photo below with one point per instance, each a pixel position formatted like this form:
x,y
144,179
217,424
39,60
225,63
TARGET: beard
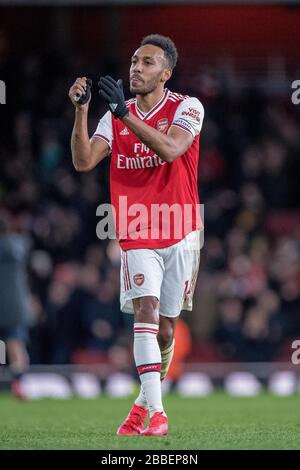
x,y
145,88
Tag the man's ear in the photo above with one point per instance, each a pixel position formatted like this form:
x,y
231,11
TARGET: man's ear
x,y
167,74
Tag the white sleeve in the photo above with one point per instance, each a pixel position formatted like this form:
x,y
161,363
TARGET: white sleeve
x,y
189,116
104,129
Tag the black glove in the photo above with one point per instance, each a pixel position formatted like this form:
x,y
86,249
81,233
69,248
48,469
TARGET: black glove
x,y
113,94
84,98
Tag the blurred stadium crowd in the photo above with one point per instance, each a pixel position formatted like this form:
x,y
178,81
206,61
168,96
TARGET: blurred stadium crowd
x,y
247,301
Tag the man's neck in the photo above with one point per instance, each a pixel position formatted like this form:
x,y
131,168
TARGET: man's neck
x,y
147,102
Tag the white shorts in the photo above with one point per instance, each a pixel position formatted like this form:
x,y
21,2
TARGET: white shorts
x,y
169,274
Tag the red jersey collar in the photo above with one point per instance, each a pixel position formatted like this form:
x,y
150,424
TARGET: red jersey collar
x,y
154,110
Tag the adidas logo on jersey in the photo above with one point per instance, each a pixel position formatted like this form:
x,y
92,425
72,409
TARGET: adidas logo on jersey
x,y
125,131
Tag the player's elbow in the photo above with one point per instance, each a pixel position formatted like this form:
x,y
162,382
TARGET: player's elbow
x,y
81,167
168,158
171,155
172,151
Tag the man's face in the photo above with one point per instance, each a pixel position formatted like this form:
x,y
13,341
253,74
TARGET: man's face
x,y
148,68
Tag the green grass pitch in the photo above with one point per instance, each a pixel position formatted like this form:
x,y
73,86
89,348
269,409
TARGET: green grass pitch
x,y
214,422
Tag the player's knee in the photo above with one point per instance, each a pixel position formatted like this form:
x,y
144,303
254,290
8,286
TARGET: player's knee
x,y
165,335
147,313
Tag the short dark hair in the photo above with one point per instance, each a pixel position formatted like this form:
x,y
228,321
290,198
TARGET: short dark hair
x,y
166,44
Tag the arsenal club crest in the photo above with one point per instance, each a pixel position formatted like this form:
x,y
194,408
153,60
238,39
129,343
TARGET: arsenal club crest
x,y
162,125
138,279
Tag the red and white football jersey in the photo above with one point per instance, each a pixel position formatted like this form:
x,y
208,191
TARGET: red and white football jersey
x,y
156,203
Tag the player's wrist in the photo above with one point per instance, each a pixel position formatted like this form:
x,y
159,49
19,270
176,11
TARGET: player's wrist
x,y
81,109
121,112
126,118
